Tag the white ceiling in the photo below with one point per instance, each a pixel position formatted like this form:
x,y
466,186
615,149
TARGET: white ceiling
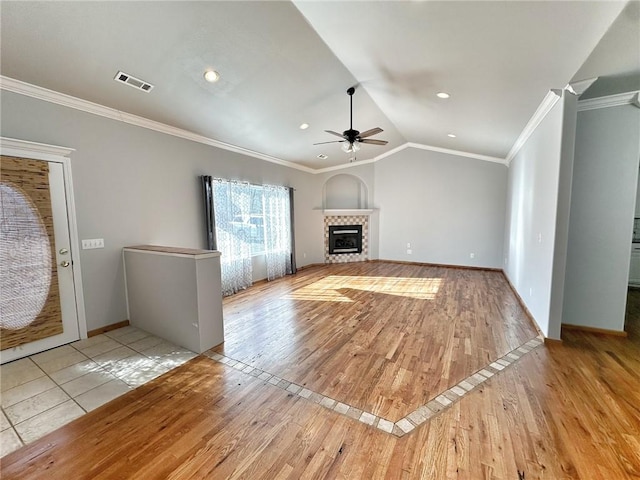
x,y
285,63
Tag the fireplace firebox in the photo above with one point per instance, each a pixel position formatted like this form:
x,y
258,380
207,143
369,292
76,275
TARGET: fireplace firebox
x,y
345,239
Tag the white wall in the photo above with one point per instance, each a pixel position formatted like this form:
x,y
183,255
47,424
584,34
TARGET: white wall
x,y
134,186
603,199
445,206
561,245
531,216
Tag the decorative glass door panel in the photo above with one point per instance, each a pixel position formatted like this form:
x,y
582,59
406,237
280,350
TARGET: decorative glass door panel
x,y
37,310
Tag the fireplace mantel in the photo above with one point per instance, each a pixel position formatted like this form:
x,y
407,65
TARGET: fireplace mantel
x,y
347,211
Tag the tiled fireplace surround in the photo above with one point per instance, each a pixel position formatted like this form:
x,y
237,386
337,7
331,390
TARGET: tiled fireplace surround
x,y
342,220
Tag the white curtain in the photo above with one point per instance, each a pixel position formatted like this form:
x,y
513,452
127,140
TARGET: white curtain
x,y
277,225
232,203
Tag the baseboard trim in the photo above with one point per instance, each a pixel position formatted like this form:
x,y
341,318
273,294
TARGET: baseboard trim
x,y
442,265
524,306
604,331
107,328
311,265
552,341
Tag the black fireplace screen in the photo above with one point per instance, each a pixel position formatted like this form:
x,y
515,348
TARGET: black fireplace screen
x,y
345,239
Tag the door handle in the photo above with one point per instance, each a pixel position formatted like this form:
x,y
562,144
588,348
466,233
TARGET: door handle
x,y
65,264
63,251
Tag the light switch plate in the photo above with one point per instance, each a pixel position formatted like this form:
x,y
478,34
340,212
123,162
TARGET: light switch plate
x,y
90,243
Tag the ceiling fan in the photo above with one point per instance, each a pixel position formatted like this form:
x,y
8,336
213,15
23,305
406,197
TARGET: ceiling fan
x,y
352,138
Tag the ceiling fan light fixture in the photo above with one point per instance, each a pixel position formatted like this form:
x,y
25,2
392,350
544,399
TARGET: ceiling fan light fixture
x,y
211,76
348,147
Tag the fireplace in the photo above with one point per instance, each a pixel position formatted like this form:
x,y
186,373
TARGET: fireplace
x,y
345,239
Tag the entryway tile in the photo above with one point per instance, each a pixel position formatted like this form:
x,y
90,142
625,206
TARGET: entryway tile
x,y
100,348
146,343
9,442
74,371
87,382
26,390
18,372
48,421
62,361
4,422
31,407
100,395
108,359
132,336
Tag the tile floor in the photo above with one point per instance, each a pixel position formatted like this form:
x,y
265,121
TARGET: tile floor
x,y
42,392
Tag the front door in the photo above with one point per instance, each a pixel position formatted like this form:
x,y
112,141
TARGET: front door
x,y
37,297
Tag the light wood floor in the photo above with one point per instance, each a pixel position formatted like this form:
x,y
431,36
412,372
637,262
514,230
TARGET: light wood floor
x,y
561,411
383,337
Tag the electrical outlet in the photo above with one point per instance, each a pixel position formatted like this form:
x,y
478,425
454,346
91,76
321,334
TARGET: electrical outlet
x,y
472,255
408,245
91,243
539,238
409,251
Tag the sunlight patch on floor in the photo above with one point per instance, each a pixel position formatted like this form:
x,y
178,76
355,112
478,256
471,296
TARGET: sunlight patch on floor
x,y
328,289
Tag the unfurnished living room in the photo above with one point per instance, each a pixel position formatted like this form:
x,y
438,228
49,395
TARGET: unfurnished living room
x,y
320,239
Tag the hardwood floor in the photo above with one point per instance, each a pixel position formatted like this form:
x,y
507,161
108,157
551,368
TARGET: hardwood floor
x,y
560,411
384,337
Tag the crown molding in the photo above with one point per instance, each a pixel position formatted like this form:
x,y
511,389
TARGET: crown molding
x,y
608,101
40,93
458,153
548,102
13,147
51,96
579,87
418,146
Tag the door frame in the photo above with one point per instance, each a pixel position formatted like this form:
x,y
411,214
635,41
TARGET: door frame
x,y
12,147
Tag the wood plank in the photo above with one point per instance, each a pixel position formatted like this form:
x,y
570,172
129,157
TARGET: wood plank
x,y
563,411
369,323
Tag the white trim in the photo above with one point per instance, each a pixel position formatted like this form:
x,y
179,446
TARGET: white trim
x,y
74,239
347,211
548,102
458,153
23,88
40,93
53,153
581,86
345,165
196,256
13,147
419,146
608,101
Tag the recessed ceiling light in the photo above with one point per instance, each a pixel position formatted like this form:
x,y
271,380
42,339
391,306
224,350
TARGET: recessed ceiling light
x,y
442,95
451,135
211,76
304,126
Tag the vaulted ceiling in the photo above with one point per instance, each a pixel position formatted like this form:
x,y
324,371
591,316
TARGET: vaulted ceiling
x,y
286,63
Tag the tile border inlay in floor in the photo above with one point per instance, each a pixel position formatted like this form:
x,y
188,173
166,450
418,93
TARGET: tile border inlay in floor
x,y
409,422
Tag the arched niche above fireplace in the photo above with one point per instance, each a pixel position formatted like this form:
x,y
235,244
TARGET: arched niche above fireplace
x,y
345,192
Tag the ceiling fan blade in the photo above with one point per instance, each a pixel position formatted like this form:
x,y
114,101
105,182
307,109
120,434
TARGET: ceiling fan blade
x,y
373,141
334,141
368,133
334,133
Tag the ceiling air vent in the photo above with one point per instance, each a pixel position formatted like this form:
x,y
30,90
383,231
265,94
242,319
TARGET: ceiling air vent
x,y
322,156
133,82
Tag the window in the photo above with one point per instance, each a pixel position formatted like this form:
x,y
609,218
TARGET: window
x,y
249,220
